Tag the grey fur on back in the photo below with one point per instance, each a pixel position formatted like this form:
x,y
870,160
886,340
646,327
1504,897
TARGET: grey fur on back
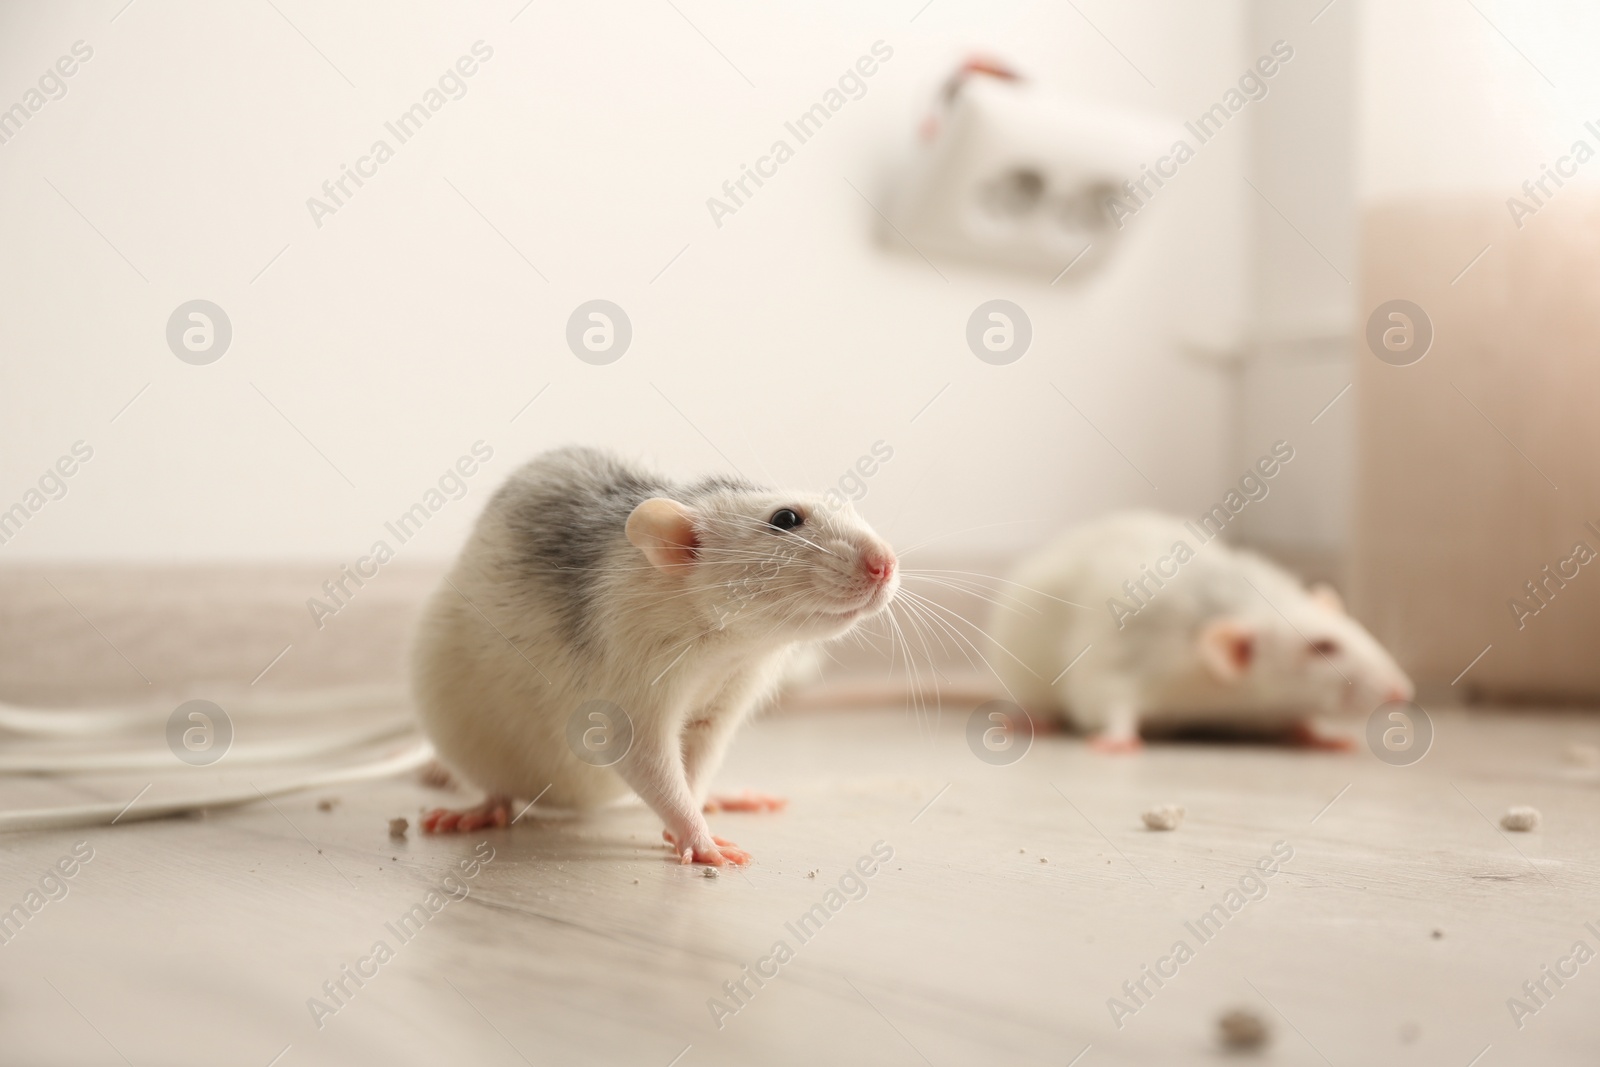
x,y
567,513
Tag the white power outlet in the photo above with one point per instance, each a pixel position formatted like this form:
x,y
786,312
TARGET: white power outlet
x,y
1018,176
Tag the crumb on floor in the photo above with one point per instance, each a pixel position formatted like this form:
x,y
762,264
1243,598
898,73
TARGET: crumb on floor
x,y
1242,1029
1163,816
1520,819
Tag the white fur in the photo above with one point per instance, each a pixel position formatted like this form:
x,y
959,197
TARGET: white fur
x,y
688,651
1154,667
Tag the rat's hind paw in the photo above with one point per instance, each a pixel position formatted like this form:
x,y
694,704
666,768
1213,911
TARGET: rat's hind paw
x,y
748,800
494,811
1306,735
1116,744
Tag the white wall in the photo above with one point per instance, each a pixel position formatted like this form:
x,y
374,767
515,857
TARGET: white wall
x,y
1304,279
1458,99
405,328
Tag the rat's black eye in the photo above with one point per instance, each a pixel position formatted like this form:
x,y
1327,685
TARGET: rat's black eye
x,y
785,519
1325,647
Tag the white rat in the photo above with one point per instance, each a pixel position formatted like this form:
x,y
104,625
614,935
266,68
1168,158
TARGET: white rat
x,y
1176,628
587,581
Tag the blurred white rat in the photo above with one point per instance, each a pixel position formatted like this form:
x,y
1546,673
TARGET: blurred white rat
x,y
589,586
1175,628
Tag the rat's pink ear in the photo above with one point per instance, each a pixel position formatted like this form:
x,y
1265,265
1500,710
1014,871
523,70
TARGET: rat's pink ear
x,y
1228,648
1326,595
664,531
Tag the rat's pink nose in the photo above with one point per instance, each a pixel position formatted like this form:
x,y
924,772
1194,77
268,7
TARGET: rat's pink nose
x,y
1398,692
878,565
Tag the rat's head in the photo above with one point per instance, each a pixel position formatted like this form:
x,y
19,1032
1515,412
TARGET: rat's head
x,y
1312,656
781,565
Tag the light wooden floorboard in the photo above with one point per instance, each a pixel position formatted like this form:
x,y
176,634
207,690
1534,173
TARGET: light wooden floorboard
x,y
199,941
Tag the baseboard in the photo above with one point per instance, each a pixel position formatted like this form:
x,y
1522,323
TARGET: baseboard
x,y
129,632
110,632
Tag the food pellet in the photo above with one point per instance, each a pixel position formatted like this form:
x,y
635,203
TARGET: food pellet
x,y
1521,819
1163,817
1242,1029
711,872
398,827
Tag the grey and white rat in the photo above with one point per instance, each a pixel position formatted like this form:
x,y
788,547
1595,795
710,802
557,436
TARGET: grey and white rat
x,y
1175,627
587,580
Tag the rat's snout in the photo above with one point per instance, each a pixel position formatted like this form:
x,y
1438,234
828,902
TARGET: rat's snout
x,y
1399,692
878,564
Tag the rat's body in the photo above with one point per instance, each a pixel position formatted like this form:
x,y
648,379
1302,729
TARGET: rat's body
x,y
1179,631
682,605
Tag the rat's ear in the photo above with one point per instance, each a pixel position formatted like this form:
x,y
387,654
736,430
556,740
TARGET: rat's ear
x,y
1228,648
664,531
1326,595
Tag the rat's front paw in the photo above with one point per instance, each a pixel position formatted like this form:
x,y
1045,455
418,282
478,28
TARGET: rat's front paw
x,y
703,848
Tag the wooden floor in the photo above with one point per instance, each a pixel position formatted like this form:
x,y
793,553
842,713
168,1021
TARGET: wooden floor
x,y
1018,900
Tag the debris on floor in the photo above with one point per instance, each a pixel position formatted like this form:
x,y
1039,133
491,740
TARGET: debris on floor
x,y
436,775
398,828
327,803
1582,754
712,872
1163,816
1520,819
1242,1029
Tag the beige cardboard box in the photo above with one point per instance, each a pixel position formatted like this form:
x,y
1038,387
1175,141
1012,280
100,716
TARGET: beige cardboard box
x,y
1479,464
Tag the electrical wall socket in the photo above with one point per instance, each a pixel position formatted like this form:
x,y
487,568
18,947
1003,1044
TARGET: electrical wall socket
x,y
1018,176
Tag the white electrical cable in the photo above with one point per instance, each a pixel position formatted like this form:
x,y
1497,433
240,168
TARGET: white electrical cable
x,y
72,722
47,763
107,814
83,722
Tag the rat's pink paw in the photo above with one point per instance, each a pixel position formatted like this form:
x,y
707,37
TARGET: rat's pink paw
x,y
717,852
1046,724
1120,746
749,800
725,852
1306,735
495,811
